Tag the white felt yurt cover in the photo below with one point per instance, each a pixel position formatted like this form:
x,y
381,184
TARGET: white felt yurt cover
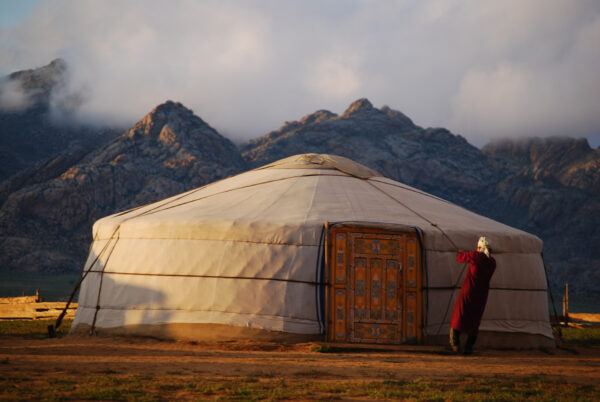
x,y
244,252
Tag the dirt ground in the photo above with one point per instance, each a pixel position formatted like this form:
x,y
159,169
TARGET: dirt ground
x,y
84,355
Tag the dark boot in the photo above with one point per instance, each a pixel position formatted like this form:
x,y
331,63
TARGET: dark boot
x,y
455,340
469,345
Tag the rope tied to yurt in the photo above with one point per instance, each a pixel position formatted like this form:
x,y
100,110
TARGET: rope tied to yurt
x,y
435,225
52,328
319,278
93,326
556,320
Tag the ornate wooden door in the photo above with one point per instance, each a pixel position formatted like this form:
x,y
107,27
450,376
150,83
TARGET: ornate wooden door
x,y
375,294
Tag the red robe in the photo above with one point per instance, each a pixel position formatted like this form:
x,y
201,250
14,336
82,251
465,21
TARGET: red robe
x,y
473,295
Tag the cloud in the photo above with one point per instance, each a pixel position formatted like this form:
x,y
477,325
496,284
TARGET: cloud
x,y
551,93
333,77
482,69
12,97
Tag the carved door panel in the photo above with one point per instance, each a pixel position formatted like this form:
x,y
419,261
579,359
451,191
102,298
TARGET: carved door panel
x,y
374,296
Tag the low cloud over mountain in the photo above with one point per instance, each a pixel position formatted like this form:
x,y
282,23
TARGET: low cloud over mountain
x,y
482,69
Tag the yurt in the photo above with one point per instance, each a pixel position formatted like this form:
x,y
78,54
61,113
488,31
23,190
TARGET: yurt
x,y
313,247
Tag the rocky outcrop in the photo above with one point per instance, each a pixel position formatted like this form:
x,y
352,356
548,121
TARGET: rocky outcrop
x,y
568,161
46,225
556,181
39,83
42,171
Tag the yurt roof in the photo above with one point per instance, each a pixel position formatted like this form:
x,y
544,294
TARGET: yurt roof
x,y
288,201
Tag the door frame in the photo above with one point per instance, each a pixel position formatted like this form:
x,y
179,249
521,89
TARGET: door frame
x,y
418,290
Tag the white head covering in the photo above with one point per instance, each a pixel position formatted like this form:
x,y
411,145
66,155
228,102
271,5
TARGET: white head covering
x,y
484,243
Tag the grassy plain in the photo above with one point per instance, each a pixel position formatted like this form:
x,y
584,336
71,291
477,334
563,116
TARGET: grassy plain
x,y
581,336
135,387
33,367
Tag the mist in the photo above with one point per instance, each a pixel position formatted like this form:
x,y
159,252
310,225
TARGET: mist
x,y
13,97
484,70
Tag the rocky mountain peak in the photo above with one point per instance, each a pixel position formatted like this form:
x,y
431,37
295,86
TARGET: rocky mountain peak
x,y
40,80
363,108
358,106
58,63
397,115
169,107
169,111
170,135
170,117
318,116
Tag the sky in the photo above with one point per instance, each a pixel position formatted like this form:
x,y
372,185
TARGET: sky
x,y
483,69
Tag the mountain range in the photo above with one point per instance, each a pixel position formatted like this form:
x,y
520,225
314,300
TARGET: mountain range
x,y
49,200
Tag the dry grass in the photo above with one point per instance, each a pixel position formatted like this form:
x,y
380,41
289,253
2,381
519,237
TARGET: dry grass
x,y
93,368
35,329
581,336
130,387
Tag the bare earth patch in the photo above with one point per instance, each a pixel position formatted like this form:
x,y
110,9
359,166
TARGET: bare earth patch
x,y
84,367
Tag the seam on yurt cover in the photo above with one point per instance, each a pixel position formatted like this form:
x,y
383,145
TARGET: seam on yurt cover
x,y
199,309
414,190
274,201
492,320
219,240
207,276
515,253
294,244
491,288
184,194
508,319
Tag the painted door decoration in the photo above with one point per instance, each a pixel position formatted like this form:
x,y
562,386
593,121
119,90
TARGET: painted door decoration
x,y
375,293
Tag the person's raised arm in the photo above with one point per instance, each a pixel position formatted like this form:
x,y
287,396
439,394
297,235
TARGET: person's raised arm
x,y
463,256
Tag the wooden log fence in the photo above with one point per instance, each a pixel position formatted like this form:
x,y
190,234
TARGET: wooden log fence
x,y
32,308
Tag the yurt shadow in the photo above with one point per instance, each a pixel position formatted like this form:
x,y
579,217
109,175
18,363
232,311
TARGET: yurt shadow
x,y
134,286
118,303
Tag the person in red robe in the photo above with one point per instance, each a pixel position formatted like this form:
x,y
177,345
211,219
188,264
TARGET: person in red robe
x,y
473,295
